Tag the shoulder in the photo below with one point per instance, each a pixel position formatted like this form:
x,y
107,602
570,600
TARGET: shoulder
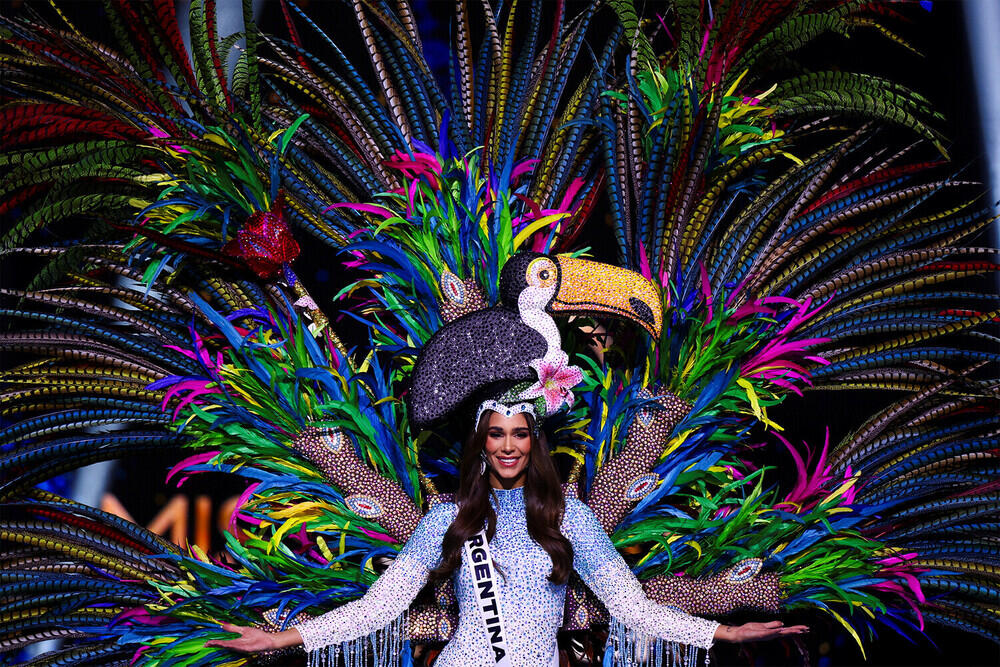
x,y
439,516
426,539
441,510
441,506
577,508
592,547
577,515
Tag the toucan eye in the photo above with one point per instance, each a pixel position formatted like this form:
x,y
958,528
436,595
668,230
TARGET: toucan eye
x,y
541,272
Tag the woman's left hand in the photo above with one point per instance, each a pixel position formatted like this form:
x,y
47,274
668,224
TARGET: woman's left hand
x,y
254,640
757,632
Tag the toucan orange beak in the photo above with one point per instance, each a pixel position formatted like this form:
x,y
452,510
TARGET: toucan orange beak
x,y
595,287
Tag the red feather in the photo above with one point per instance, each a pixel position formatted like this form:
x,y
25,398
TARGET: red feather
x,y
961,266
65,518
869,180
73,128
11,202
166,19
294,34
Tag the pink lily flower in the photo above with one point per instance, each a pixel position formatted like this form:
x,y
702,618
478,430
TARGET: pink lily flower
x,y
555,379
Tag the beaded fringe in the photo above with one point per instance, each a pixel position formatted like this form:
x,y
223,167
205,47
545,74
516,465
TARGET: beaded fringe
x,y
382,648
627,648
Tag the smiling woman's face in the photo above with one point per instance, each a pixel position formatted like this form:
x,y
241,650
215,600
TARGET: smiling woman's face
x,y
508,450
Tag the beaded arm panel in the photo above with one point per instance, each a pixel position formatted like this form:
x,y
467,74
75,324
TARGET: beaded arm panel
x,y
740,587
365,491
373,496
625,480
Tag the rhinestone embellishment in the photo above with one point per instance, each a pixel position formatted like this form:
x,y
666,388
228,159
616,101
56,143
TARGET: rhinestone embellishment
x,y
641,486
332,440
452,288
364,506
745,569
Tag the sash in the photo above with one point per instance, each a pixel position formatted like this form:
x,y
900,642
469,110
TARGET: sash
x,y
480,560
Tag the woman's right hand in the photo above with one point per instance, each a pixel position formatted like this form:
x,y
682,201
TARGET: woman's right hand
x,y
755,632
254,640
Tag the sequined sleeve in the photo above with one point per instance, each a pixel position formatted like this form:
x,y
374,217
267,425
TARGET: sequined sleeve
x,y
384,603
606,573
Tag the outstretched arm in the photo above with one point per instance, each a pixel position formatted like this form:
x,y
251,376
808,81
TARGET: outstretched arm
x,y
384,602
606,573
619,590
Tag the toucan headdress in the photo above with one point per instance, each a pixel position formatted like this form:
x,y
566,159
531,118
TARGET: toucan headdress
x,y
511,353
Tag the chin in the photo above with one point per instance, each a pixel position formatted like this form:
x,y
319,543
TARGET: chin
x,y
510,474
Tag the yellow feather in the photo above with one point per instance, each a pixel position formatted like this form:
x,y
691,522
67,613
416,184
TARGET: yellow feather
x,y
525,233
863,607
697,547
323,549
298,509
285,528
758,410
201,555
216,139
562,449
838,510
848,627
732,88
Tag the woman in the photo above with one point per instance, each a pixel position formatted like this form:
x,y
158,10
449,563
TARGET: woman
x,y
508,484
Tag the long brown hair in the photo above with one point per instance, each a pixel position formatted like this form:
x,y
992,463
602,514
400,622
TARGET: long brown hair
x,y
543,505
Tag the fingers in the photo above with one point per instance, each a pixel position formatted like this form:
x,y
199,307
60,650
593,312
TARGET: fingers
x,y
238,644
770,630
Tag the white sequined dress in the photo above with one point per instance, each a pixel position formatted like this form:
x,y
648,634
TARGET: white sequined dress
x,y
532,606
